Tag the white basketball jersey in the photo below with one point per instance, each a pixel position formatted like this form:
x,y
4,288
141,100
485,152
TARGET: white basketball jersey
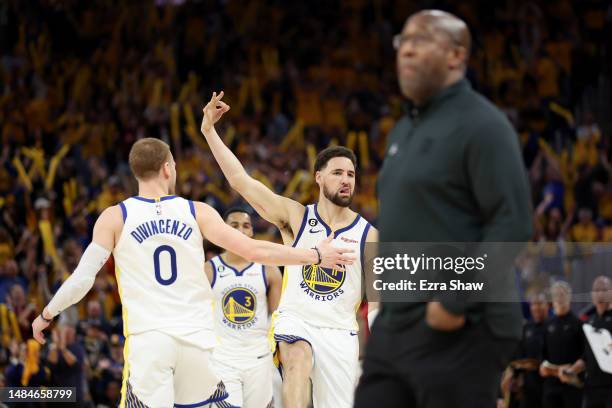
x,y
159,263
241,310
319,296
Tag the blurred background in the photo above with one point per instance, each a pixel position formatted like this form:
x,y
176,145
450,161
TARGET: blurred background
x,y
81,81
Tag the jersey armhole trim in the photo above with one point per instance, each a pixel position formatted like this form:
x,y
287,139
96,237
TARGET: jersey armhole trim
x,y
362,244
214,274
192,208
265,278
299,234
123,211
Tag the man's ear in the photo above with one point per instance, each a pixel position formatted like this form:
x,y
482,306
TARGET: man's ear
x,y
166,170
318,177
457,57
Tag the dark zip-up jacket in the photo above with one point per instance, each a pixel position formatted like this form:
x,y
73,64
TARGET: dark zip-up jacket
x,y
453,172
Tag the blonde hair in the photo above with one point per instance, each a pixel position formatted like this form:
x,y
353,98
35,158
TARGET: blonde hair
x,y
147,156
563,286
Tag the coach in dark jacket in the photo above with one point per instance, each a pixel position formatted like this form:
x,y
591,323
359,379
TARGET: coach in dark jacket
x,y
452,173
597,383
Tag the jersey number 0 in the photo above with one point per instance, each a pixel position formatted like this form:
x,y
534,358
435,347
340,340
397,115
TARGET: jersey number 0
x,y
173,268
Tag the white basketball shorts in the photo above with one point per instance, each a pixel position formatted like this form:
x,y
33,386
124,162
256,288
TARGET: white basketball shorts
x,y
161,371
336,359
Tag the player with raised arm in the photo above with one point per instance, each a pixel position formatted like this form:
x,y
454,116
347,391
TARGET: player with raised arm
x,y
156,239
315,326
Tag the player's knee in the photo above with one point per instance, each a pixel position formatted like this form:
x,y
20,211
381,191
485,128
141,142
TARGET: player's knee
x,y
297,357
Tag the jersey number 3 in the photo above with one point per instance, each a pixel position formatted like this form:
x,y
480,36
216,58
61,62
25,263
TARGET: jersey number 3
x,y
173,268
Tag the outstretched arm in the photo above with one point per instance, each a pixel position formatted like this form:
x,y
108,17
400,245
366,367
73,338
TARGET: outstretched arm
x,y
219,233
280,211
83,277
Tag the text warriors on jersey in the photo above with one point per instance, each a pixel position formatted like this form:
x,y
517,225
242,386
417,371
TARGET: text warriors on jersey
x,y
322,284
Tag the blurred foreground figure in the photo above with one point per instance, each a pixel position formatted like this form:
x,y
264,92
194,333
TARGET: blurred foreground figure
x,y
452,173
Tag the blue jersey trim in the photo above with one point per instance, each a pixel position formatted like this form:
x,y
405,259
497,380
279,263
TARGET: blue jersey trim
x,y
151,200
327,228
146,200
341,230
123,211
201,404
363,242
220,394
192,208
299,234
348,227
290,339
214,271
238,273
265,279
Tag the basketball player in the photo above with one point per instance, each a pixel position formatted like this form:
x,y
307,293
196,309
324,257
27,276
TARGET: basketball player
x,y
245,292
156,240
315,326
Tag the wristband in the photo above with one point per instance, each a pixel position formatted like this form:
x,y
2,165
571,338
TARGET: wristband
x,y
318,256
45,319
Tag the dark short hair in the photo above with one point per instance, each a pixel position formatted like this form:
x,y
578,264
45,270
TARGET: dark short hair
x,y
235,209
329,153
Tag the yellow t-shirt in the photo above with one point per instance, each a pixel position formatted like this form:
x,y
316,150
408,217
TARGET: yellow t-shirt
x,y
606,235
584,232
605,206
548,84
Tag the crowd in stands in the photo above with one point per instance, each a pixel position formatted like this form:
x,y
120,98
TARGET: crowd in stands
x,y
81,81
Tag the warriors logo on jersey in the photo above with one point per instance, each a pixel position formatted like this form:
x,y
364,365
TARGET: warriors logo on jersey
x,y
239,302
322,281
241,309
239,305
320,296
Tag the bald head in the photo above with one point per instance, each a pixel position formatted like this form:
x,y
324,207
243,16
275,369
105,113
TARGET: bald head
x,y
601,292
432,54
602,283
441,22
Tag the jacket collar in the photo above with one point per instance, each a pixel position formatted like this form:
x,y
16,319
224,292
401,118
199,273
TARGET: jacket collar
x,y
415,111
